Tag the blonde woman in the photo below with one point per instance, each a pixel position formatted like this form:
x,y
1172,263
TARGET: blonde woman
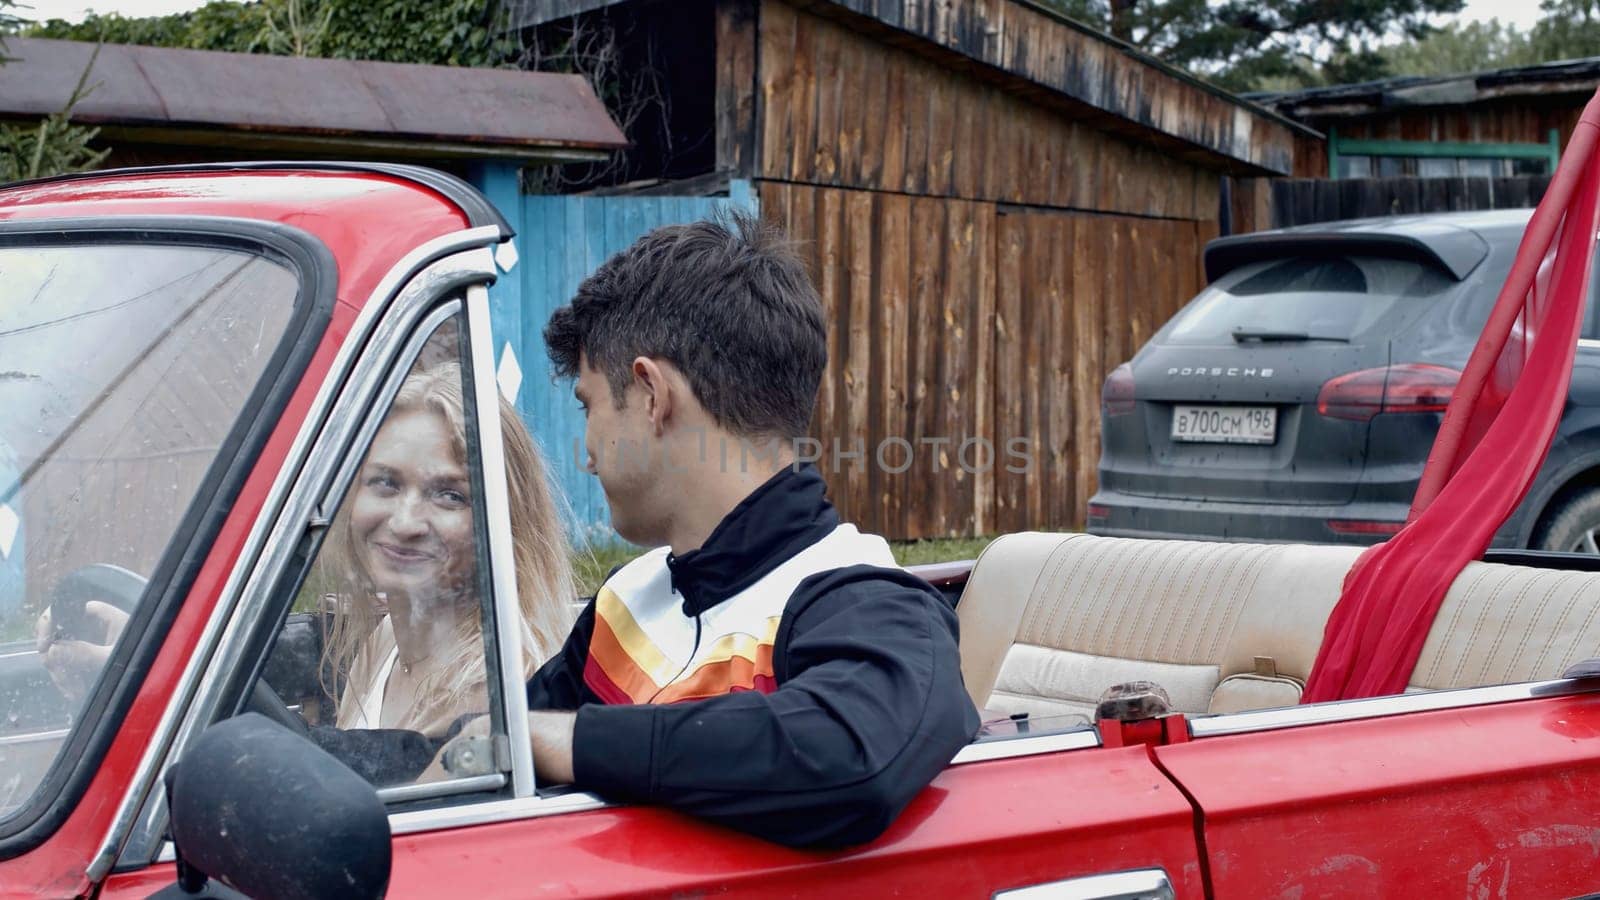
x,y
401,558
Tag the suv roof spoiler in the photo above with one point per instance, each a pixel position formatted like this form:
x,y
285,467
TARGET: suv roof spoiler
x,y
1454,250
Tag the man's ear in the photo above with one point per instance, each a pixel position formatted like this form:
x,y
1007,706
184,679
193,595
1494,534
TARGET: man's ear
x,y
649,375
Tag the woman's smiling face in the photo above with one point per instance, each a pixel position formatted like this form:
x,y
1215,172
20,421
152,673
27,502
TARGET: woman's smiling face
x,y
411,516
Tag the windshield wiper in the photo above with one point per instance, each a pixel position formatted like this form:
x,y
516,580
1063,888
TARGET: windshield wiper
x,y
1240,335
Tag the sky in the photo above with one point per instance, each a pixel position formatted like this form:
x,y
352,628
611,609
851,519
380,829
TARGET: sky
x,y
1522,13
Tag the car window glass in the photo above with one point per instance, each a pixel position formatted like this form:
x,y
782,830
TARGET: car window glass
x,y
1472,313
123,369
385,650
1338,298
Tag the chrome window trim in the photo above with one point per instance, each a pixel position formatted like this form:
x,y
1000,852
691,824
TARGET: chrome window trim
x,y
492,811
1027,745
406,793
1136,884
1589,343
1379,707
144,795
502,554
535,807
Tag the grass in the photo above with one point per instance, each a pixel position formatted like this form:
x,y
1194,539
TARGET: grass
x,y
590,567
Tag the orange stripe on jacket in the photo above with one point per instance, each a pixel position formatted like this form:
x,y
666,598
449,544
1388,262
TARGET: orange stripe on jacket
x,y
621,673
736,673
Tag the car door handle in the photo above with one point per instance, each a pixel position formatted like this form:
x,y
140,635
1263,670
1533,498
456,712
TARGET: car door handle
x,y
1138,884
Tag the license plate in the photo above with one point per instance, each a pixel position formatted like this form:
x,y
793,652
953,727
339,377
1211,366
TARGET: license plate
x,y
1225,424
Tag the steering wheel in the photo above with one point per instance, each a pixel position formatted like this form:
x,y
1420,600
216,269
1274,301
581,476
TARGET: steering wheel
x,y
97,581
264,700
122,589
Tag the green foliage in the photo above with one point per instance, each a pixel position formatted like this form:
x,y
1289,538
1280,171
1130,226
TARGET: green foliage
x,y
591,565
222,25
1568,29
1464,47
437,32
1243,44
53,147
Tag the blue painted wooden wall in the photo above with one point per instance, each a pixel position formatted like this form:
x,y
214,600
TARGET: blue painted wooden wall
x,y
560,240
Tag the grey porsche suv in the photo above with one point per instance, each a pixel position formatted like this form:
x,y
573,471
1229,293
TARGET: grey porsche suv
x,y
1296,398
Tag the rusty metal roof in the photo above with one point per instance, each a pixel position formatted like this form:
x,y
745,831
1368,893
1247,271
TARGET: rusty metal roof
x,y
1542,81
324,102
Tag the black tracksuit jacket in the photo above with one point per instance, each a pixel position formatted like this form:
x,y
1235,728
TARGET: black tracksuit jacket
x,y
869,704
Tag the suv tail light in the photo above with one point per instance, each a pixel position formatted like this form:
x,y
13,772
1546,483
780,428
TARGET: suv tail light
x,y
1116,398
1403,388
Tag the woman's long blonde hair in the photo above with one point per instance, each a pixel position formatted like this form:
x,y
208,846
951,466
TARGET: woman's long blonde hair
x,y
539,551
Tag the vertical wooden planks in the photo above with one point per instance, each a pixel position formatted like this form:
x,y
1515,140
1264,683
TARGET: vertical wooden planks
x,y
850,79
919,116
778,64
1093,248
980,331
898,477
737,88
896,125
801,150
927,267
839,107
871,147
858,432
829,90
832,286
942,99
1008,384
1054,379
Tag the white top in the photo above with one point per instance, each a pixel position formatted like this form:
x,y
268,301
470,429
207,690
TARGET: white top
x,y
371,701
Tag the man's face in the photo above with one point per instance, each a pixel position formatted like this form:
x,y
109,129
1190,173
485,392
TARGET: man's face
x,y
624,453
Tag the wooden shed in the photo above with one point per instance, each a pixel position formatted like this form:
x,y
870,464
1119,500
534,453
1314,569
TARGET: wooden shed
x,y
999,205
1487,124
1476,140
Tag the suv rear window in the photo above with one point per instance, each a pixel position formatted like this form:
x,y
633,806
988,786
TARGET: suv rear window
x,y
1334,298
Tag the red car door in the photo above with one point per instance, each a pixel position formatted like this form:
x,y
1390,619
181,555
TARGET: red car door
x,y
1489,792
1034,816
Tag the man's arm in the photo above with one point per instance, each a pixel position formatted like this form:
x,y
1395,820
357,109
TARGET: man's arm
x,y
870,707
559,682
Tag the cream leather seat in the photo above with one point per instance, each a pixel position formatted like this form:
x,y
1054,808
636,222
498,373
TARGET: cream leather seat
x,y
1049,621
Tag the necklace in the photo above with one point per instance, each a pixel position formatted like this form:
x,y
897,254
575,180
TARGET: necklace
x,y
407,666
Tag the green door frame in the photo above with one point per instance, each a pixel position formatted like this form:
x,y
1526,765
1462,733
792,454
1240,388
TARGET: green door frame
x,y
1550,150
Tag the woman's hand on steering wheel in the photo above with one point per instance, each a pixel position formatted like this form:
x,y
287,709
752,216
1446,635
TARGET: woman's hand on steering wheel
x,y
74,664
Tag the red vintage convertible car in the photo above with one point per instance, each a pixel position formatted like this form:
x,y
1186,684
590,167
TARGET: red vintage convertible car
x,y
192,359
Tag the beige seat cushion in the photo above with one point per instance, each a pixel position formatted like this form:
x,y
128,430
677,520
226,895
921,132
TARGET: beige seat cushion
x,y
1090,612
1049,621
1505,624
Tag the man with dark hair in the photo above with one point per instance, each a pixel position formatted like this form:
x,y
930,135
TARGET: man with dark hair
x,y
765,666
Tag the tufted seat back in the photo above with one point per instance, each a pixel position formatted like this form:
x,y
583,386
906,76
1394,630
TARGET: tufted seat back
x,y
1049,621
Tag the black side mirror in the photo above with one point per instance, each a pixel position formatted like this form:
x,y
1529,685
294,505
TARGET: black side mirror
x,y
269,814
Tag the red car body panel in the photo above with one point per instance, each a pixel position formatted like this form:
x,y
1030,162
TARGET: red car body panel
x,y
1006,823
1506,798
368,222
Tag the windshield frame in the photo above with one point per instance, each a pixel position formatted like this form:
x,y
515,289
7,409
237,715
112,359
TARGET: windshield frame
x,y
105,708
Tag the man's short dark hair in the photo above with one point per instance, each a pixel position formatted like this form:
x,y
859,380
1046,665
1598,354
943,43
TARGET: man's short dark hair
x,y
726,301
